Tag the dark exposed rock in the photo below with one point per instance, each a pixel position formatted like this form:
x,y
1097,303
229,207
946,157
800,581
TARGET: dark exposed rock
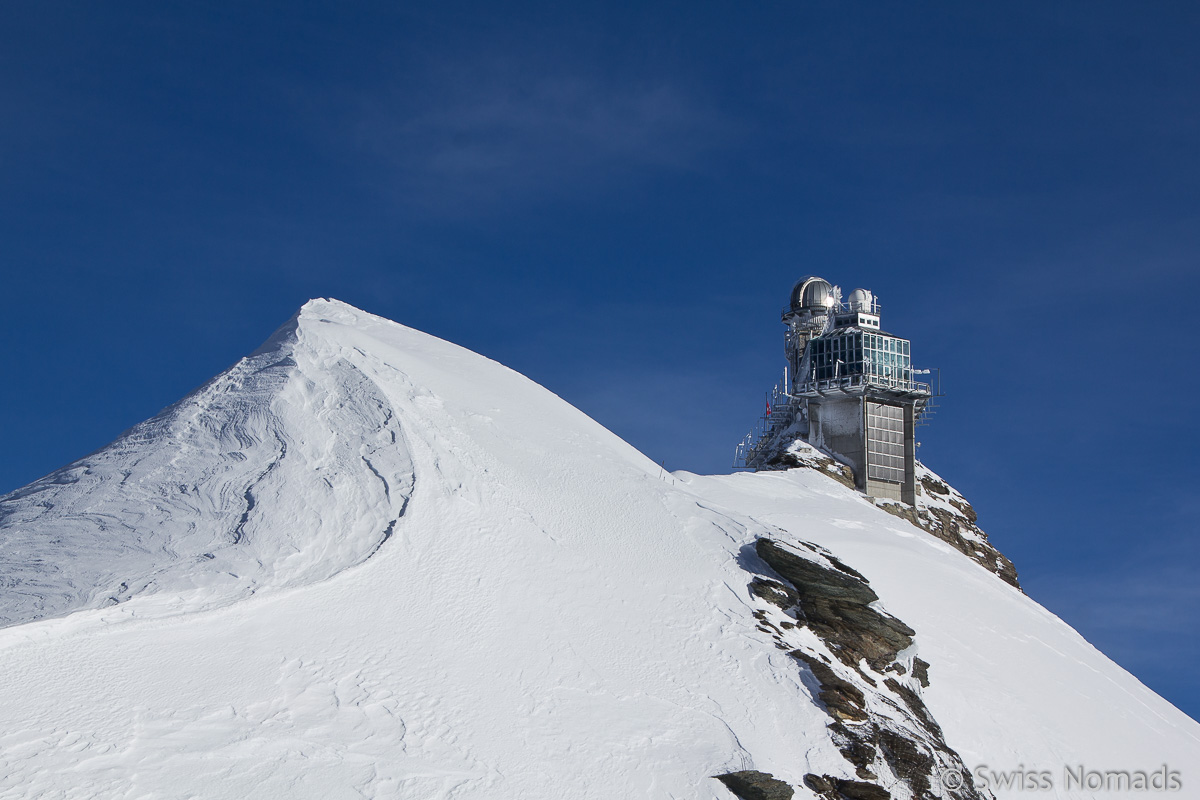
x,y
842,699
821,786
855,747
933,485
909,763
754,785
841,789
811,578
836,605
882,731
954,526
842,566
765,624
858,790
921,671
774,592
915,704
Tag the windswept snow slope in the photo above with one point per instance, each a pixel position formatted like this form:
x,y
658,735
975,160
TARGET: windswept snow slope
x,y
430,577
284,470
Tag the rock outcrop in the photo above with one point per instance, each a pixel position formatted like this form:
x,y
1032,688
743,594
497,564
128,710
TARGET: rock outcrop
x,y
788,452
944,512
754,785
940,510
866,675
835,602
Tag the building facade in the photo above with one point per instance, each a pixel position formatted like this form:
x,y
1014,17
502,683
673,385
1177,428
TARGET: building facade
x,y
848,390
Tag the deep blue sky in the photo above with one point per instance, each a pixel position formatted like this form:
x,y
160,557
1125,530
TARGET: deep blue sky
x,y
616,200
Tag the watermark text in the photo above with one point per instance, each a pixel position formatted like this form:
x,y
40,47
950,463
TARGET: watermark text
x,y
1078,777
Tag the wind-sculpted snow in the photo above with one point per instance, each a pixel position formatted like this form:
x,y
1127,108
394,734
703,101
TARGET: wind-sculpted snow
x,y
551,615
284,470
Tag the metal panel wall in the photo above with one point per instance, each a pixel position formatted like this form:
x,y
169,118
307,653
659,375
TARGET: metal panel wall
x,y
885,443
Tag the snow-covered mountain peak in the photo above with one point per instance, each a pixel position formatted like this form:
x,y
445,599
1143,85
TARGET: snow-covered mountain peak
x,y
285,469
334,310
321,318
367,562
318,318
322,311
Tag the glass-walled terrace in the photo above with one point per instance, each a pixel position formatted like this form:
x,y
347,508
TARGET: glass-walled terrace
x,y
879,359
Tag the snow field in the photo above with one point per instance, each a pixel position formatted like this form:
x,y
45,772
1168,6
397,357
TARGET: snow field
x,y
504,600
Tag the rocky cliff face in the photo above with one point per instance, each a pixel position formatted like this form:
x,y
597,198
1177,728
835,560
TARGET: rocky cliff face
x,y
941,509
862,668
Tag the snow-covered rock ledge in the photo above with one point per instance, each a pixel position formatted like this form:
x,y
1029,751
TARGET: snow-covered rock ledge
x,y
941,509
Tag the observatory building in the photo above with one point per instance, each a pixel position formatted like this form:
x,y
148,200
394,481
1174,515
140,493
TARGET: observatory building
x,y
848,390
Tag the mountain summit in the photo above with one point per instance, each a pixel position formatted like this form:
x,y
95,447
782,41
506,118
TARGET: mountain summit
x,y
365,562
283,470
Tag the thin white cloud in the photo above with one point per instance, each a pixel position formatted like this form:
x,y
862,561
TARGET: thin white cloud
x,y
462,145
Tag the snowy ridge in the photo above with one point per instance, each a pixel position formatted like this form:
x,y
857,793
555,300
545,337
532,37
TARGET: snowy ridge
x,y
549,617
283,470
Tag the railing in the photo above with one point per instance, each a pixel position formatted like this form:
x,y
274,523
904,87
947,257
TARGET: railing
x,y
840,308
741,450
782,406
780,413
860,381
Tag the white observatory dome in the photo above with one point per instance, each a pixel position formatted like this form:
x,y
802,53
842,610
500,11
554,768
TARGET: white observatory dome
x,y
862,301
812,293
